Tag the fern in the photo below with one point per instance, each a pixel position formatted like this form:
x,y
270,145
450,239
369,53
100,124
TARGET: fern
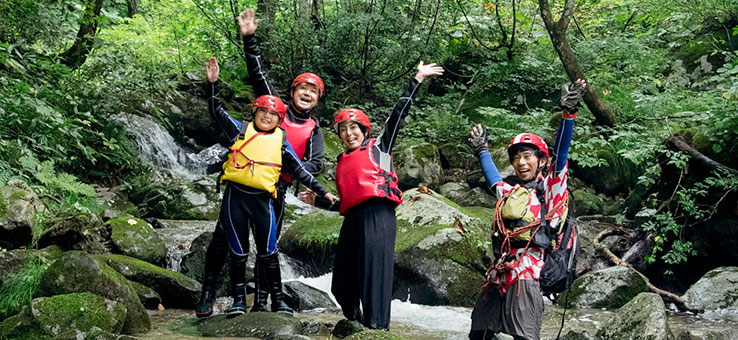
x,y
63,182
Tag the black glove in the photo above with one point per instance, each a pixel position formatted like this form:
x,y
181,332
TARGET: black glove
x,y
571,95
478,139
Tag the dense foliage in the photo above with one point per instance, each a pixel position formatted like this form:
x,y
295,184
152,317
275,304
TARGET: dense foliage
x,y
663,68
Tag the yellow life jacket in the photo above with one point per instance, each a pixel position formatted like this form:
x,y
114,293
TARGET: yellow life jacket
x,y
255,159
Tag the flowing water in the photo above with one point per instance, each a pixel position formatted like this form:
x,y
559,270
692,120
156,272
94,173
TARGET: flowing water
x,y
156,145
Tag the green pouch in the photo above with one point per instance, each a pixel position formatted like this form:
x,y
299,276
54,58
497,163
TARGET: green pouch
x,y
516,205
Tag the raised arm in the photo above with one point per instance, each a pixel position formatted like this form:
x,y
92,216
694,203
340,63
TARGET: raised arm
x,y
571,96
397,118
258,76
478,140
230,126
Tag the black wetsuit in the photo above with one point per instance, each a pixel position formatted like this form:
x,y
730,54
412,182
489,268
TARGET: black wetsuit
x,y
364,265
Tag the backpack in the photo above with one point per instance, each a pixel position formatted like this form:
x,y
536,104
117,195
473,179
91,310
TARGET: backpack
x,y
560,263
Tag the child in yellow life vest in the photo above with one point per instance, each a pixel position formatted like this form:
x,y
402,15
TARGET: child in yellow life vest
x,y
259,152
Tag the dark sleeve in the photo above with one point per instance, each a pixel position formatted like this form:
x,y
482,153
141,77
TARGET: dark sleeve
x,y
230,126
314,151
255,66
297,169
397,118
324,203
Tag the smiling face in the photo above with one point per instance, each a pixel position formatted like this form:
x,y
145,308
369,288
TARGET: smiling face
x,y
266,119
305,96
351,134
526,164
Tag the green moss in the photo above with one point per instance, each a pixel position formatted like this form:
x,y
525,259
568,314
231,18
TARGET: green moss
x,y
328,184
425,152
333,145
317,231
409,235
141,265
83,310
17,195
137,238
3,207
17,291
483,214
374,334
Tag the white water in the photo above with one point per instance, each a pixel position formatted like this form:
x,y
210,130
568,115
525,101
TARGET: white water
x,y
157,146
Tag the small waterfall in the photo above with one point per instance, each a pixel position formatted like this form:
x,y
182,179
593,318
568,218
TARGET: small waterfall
x,y
157,146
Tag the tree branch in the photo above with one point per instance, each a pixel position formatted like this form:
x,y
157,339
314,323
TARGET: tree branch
x,y
678,143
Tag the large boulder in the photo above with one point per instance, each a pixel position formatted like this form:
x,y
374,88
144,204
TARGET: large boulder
x,y
18,208
12,261
606,288
176,290
643,317
312,239
463,195
716,290
167,194
590,258
136,238
193,264
258,325
73,230
436,264
149,298
302,297
77,272
418,164
455,156
68,316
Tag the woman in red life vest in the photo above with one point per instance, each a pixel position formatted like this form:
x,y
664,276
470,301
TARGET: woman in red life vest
x,y
306,138
367,185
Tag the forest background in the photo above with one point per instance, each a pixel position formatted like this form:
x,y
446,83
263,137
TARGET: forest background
x,y
656,69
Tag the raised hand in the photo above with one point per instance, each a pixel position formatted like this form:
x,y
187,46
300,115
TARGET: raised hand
x,y
247,22
427,70
478,139
212,69
571,96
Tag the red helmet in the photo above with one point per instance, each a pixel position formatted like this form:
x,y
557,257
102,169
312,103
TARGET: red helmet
x,y
355,115
527,139
270,102
310,78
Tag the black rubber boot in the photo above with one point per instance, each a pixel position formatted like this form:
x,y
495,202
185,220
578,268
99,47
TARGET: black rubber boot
x,y
214,258
274,275
262,286
238,285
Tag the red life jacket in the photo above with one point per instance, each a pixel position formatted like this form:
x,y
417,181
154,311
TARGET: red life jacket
x,y
298,136
360,177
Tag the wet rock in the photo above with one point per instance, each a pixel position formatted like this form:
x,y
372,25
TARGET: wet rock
x,y
312,240
65,317
135,238
193,266
435,264
716,290
12,261
575,335
167,194
108,215
302,297
73,230
149,298
455,156
418,164
637,253
316,329
702,334
176,290
346,328
590,259
606,288
587,202
464,195
77,272
374,334
643,317
262,325
18,208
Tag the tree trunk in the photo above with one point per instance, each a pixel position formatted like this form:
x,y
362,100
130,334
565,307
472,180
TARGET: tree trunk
x,y
76,55
267,10
132,8
557,32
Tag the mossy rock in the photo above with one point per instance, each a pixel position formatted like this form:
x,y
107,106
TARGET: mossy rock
x,y
262,325
611,287
312,239
77,272
587,202
19,208
136,238
345,328
418,164
12,261
644,317
73,230
65,316
149,298
716,290
374,334
176,290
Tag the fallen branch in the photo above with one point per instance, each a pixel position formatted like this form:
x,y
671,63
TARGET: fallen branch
x,y
678,143
680,303
58,201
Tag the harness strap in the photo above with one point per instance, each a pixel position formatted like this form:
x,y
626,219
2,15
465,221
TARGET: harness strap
x,y
250,162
